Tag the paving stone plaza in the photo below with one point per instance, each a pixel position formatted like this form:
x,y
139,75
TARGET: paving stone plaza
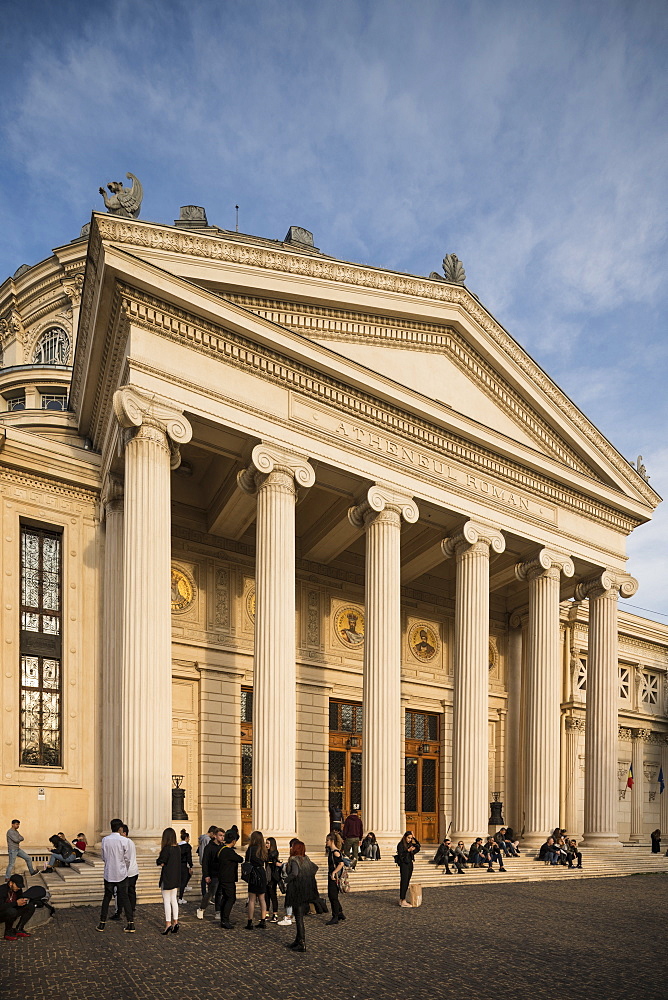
x,y
602,937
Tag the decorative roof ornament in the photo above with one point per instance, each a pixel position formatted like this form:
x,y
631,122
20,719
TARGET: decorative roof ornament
x,y
640,469
453,270
125,202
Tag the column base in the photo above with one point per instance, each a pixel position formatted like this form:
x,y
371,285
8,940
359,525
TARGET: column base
x,y
147,846
600,842
533,840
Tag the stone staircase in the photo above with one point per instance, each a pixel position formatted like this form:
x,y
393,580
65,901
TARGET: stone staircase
x,y
81,885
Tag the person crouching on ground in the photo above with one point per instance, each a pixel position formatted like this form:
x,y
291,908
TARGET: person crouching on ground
x,y
228,872
407,848
13,905
256,855
169,861
301,890
335,866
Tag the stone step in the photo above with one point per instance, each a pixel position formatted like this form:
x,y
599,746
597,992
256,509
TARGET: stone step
x,y
81,885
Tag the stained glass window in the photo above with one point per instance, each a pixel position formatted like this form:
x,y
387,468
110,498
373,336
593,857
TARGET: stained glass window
x,y
41,683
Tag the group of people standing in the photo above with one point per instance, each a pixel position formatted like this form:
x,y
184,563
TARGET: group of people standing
x,y
265,873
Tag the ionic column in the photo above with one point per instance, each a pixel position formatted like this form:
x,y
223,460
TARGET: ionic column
x,y
112,651
574,727
601,796
380,515
273,477
638,737
541,789
153,433
470,739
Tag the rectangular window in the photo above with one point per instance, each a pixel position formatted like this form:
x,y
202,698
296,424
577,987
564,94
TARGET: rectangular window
x,y
421,726
246,705
40,648
345,717
624,683
650,688
54,401
581,679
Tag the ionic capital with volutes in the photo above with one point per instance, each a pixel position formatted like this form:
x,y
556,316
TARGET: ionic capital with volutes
x,y
152,417
380,499
547,562
473,533
608,583
289,468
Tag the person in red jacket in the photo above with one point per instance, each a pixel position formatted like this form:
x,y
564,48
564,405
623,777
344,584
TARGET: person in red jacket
x,y
352,836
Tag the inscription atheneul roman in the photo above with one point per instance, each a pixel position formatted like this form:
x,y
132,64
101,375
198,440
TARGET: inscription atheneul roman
x,y
436,466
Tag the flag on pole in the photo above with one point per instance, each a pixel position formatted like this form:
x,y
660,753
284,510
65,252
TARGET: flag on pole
x,y
629,780
662,783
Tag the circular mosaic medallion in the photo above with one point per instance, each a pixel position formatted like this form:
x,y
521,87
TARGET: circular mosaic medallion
x,y
423,641
349,626
183,591
250,604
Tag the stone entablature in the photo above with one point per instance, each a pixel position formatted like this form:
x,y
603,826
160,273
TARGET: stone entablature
x,y
493,473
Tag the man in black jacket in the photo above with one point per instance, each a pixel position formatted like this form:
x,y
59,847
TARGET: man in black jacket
x,y
15,905
210,873
228,872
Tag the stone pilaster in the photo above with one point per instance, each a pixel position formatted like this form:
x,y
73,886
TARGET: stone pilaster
x,y
273,477
574,728
470,752
112,651
380,515
601,797
543,716
153,432
638,737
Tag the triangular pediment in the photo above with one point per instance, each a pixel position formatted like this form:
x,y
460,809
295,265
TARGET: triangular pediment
x,y
428,348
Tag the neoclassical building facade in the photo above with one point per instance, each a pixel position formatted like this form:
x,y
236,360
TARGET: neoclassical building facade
x,y
308,533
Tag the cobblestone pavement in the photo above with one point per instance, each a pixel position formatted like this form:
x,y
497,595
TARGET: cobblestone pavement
x,y
602,938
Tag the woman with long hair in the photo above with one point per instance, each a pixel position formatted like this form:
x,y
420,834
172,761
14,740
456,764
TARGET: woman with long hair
x,y
169,861
273,869
335,866
407,848
186,863
301,889
256,854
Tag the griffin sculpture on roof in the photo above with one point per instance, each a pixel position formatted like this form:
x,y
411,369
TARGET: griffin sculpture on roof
x,y
124,201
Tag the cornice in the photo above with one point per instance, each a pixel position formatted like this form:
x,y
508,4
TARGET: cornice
x,y
48,486
214,341
365,328
327,269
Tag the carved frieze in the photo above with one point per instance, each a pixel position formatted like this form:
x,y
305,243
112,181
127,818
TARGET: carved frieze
x,y
221,615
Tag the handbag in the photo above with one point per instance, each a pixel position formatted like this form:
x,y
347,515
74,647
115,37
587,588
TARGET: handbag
x,y
320,905
246,871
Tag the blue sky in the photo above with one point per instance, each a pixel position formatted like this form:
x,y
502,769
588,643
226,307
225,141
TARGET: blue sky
x,y
530,138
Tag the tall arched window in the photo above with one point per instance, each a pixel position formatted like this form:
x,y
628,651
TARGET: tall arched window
x,y
53,347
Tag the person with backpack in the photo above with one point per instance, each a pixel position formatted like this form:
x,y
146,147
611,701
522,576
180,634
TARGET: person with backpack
x,y
407,848
228,862
301,890
256,858
15,906
335,866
